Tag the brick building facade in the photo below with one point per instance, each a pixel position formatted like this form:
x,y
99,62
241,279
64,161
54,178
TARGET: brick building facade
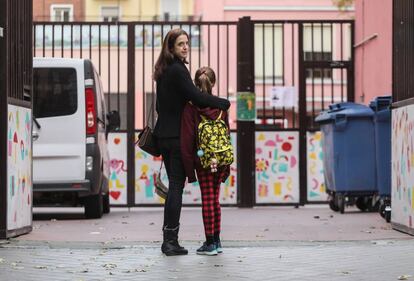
x,y
58,10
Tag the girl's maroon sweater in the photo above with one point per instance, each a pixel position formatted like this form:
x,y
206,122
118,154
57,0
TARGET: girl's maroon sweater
x,y
189,126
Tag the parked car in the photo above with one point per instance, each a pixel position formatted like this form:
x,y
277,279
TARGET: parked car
x,y
70,130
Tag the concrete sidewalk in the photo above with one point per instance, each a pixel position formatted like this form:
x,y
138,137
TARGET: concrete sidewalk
x,y
309,223
289,260
266,243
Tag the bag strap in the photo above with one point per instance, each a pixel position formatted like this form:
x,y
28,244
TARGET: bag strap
x,y
219,117
162,161
150,111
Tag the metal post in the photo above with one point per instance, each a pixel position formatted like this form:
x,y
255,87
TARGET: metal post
x,y
246,182
3,118
131,117
302,122
350,74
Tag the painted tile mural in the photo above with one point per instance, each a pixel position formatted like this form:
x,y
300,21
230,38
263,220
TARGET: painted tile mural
x,y
402,173
146,168
117,144
277,167
19,167
316,184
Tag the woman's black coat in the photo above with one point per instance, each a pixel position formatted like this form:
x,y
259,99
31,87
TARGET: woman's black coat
x,y
174,89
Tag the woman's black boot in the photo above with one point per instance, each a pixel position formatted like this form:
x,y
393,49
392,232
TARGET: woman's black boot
x,y
170,246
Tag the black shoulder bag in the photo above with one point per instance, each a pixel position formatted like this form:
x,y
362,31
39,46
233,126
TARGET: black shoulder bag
x,y
146,139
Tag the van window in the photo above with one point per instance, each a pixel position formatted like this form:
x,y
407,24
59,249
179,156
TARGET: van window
x,y
54,92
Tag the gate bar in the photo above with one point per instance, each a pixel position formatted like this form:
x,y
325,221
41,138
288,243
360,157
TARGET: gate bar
x,y
246,177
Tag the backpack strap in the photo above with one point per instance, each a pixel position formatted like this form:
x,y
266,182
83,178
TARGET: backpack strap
x,y
219,117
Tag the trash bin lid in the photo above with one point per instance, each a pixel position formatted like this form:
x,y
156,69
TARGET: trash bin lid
x,y
348,109
381,103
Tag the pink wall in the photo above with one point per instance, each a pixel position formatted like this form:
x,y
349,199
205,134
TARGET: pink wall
x,y
373,68
232,10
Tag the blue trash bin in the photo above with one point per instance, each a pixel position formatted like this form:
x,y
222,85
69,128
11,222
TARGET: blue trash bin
x,y
382,125
349,151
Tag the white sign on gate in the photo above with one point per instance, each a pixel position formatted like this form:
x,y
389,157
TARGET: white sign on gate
x,y
283,96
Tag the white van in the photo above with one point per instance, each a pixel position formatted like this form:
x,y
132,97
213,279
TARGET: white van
x,y
71,124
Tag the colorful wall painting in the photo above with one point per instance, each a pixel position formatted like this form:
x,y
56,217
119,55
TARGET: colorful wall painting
x,y
316,183
402,171
147,167
117,145
277,167
19,167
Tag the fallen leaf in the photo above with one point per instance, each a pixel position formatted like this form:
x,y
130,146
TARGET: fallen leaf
x,y
40,267
404,277
109,265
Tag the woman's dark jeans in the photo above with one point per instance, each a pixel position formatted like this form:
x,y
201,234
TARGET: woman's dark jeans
x,y
171,153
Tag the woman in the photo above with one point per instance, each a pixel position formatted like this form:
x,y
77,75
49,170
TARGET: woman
x,y
174,90
210,178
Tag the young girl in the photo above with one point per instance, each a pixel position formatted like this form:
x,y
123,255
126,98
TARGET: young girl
x,y
209,179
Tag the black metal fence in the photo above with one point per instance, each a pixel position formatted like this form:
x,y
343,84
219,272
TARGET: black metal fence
x,y
403,46
312,60
15,88
18,61
322,48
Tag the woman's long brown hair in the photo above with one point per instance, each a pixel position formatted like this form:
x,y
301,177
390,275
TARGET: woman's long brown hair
x,y
166,56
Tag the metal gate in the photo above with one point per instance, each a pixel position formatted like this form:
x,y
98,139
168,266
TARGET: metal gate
x,y
299,68
124,54
15,117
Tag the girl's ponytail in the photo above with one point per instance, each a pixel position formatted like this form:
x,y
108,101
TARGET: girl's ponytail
x,y
205,78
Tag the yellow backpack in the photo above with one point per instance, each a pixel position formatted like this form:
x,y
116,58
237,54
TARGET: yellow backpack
x,y
214,144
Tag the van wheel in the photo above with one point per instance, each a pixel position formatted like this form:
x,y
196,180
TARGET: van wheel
x,y
106,206
94,206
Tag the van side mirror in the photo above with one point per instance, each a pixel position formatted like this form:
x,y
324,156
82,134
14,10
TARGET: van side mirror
x,y
114,121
